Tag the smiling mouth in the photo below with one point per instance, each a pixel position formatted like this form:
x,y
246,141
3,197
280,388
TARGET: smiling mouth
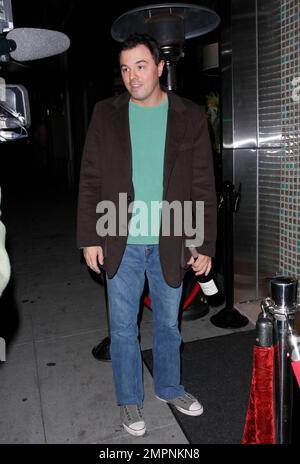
x,y
135,86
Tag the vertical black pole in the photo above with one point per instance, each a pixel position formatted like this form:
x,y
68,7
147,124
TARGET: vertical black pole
x,y
229,316
228,192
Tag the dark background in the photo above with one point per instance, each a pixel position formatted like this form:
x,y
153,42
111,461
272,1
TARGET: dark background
x,y
63,89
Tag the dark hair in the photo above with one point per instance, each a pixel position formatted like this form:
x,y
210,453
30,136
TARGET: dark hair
x,y
142,39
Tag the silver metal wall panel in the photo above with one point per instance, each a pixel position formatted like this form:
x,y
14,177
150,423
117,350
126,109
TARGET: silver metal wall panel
x,y
269,73
228,165
244,74
256,142
245,162
226,70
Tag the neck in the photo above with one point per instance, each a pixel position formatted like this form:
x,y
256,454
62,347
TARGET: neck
x,y
153,100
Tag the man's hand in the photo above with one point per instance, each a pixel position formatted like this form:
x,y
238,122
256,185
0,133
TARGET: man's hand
x,y
201,265
93,255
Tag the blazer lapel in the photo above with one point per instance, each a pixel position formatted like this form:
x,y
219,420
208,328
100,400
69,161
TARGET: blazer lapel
x,y
176,127
122,129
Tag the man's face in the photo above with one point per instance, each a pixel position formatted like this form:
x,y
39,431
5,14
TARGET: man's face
x,y
140,73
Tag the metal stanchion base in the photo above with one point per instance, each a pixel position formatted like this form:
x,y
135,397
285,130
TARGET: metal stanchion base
x,y
229,318
101,351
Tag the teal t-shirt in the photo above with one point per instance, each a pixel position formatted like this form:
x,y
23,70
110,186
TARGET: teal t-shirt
x,y
148,135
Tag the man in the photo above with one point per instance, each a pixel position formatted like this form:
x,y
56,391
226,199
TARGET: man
x,y
150,145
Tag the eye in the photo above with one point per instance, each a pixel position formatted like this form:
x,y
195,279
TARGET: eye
x,y
124,70
141,66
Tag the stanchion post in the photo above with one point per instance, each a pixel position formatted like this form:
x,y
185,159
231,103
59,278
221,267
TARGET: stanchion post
x,y
284,296
229,316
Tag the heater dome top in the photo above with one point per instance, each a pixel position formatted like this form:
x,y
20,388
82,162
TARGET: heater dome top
x,y
197,20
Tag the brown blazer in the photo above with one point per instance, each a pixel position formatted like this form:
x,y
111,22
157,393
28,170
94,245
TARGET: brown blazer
x,y
106,171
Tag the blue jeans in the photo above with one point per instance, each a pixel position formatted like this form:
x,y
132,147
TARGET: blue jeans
x,y
124,294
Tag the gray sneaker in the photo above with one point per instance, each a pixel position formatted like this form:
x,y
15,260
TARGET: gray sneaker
x,y
186,403
132,419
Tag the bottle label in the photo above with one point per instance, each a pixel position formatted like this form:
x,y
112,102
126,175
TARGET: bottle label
x,y
209,288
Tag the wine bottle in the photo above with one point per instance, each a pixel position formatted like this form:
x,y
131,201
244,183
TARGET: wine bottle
x,y
211,289
209,285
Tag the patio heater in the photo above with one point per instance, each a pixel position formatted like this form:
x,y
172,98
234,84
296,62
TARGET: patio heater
x,y
170,24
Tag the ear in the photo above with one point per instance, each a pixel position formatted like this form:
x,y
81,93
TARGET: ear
x,y
160,67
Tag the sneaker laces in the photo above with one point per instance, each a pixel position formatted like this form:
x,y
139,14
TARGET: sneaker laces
x,y
184,400
127,412
129,417
190,397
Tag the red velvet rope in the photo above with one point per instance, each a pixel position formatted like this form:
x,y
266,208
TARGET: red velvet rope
x,y
260,419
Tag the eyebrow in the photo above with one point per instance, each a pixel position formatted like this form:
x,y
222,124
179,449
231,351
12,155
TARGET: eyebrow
x,y
137,62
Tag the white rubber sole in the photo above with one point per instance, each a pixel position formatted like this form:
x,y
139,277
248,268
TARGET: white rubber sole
x,y
136,433
197,412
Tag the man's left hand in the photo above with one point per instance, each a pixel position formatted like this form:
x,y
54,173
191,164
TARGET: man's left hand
x,y
201,265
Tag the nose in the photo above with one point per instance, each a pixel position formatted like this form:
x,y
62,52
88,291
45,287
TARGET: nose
x,y
132,75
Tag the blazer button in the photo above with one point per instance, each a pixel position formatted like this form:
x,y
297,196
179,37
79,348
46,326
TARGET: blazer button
x,y
129,198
